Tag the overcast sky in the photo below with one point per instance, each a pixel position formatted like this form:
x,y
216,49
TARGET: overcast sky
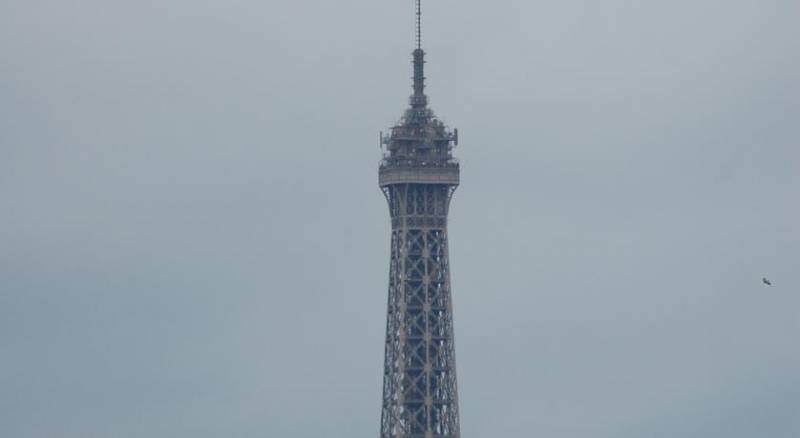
x,y
193,244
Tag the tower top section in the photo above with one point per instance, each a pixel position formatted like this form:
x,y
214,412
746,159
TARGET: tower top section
x,y
420,142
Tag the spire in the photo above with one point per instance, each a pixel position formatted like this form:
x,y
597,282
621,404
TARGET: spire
x,y
419,100
419,24
420,138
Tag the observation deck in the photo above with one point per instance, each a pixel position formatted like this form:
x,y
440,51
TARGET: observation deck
x,y
411,172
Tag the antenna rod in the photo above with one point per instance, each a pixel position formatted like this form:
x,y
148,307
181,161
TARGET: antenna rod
x,y
419,100
419,24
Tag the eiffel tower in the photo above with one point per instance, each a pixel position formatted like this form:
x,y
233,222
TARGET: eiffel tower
x,y
418,176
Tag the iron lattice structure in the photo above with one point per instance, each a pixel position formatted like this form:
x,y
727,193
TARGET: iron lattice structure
x,y
418,176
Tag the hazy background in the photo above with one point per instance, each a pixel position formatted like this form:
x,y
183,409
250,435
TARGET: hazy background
x,y
193,244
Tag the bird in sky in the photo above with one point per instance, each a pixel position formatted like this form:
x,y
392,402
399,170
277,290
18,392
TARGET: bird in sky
x,y
767,282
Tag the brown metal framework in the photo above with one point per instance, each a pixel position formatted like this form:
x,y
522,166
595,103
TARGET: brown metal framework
x,y
418,176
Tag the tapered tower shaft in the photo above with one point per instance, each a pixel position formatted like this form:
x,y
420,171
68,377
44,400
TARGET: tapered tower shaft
x,y
418,176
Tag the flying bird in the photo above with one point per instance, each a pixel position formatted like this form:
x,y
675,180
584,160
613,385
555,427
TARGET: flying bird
x,y
767,282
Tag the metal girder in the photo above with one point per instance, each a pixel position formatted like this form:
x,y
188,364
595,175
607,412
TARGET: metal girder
x,y
420,396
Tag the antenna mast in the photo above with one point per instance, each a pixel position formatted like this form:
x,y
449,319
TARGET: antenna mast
x,y
419,24
419,100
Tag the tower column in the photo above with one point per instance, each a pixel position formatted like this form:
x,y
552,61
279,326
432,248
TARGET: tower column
x,y
418,176
420,396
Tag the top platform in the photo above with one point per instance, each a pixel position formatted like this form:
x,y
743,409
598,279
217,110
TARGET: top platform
x,y
419,173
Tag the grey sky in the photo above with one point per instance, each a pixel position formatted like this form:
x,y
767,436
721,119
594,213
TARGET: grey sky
x,y
193,244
